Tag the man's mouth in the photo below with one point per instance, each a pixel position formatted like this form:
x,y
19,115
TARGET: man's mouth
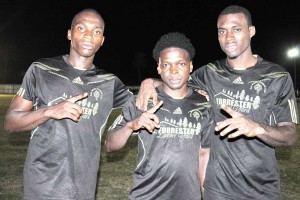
x,y
230,47
87,46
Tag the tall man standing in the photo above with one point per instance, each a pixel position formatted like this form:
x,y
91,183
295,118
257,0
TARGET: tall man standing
x,y
66,101
256,110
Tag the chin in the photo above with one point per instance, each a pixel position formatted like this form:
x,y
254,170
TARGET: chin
x,y
232,57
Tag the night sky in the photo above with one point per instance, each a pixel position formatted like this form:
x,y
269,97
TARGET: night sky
x,y
34,29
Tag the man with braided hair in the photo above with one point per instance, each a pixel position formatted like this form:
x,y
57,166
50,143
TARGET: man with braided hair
x,y
174,135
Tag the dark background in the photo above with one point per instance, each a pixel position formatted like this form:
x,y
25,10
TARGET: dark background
x,y
32,29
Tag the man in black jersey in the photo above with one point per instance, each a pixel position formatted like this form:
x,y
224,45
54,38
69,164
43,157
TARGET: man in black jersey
x,y
173,146
255,109
66,101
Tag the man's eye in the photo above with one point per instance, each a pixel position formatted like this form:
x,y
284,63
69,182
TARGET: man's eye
x,y
80,28
221,32
98,32
181,64
237,30
165,65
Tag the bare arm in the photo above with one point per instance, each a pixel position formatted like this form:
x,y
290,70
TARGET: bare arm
x,y
21,117
117,138
147,90
284,134
203,160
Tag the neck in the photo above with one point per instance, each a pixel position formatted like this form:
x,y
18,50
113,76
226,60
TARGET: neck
x,y
176,93
242,63
80,62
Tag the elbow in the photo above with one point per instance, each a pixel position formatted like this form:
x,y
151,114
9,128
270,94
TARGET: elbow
x,y
292,141
108,147
7,127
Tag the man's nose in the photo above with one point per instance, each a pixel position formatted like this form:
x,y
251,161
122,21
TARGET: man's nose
x,y
174,69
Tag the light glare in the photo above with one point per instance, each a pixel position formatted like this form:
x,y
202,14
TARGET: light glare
x,y
292,53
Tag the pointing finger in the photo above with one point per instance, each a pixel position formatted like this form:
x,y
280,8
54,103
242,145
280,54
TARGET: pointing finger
x,y
78,97
229,110
155,107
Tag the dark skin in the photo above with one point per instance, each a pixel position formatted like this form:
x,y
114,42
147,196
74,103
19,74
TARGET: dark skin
x,y
86,37
174,68
234,35
118,138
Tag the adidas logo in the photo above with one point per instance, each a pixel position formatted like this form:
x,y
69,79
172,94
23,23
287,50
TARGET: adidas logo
x,y
178,111
78,81
238,80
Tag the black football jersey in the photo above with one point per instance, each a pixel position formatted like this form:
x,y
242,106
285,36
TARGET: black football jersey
x,y
63,156
168,158
246,168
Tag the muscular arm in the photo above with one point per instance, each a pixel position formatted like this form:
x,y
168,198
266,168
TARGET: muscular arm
x,y
283,134
21,117
147,91
203,160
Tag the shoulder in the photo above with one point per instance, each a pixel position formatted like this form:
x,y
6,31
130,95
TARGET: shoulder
x,y
216,65
195,96
53,64
271,65
49,61
103,74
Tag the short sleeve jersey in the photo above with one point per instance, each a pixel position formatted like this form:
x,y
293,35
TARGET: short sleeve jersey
x,y
63,155
246,168
167,165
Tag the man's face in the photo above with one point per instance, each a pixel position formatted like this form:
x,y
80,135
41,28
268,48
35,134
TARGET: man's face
x,y
234,35
86,34
174,68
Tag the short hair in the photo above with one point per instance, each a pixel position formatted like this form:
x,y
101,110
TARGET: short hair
x,y
234,9
173,39
90,10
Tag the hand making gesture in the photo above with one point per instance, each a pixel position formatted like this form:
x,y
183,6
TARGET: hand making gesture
x,y
67,109
147,120
238,125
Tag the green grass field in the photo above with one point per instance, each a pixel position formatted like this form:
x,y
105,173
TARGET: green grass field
x,y
114,179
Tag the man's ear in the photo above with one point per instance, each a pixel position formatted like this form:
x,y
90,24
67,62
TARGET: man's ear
x,y
191,66
69,34
252,31
158,69
102,41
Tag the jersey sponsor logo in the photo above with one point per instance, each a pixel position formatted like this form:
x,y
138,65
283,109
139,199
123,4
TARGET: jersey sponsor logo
x,y
78,81
239,100
238,80
183,129
90,105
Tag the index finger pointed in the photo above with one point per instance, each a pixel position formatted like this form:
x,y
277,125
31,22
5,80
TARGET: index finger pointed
x,y
78,97
229,110
155,107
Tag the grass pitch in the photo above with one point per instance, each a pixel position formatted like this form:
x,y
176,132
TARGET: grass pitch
x,y
116,169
